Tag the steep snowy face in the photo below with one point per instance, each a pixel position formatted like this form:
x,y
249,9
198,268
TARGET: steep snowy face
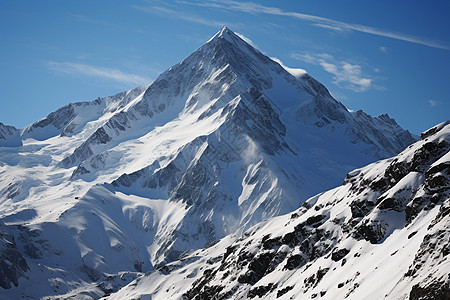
x,y
222,69
204,82
384,234
217,143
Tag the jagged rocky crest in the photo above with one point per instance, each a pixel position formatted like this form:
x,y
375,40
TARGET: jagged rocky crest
x,y
221,141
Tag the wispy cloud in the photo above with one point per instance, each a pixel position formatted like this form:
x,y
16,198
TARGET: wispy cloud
x,y
345,75
255,8
383,49
159,9
98,72
330,27
433,103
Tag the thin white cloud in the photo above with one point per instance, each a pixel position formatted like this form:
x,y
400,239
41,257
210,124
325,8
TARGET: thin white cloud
x,y
255,8
334,28
98,72
345,75
154,9
433,103
296,72
383,49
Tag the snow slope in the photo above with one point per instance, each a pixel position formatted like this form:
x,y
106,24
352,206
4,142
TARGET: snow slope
x,y
98,192
384,234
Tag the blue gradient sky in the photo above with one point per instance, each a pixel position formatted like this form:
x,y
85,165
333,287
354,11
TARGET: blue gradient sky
x,y
379,56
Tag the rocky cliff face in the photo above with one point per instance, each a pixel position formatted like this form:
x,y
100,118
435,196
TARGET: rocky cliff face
x,y
12,264
221,141
9,136
383,234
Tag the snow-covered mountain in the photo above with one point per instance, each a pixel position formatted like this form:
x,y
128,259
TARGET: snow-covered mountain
x,y
384,234
98,192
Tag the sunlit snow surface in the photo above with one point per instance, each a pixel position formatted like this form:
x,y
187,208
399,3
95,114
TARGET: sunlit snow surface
x,y
102,191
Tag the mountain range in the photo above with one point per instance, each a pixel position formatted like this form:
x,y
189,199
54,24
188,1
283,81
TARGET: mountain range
x,y
210,164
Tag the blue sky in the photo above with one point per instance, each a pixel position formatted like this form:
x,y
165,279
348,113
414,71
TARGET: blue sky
x,y
379,56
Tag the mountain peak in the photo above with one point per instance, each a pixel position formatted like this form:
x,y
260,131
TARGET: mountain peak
x,y
230,36
225,31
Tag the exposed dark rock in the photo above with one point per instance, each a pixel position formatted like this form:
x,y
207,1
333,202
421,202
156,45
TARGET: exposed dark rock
x,y
229,250
392,203
313,280
257,268
399,169
412,234
272,243
439,168
361,208
435,291
437,183
291,239
371,231
380,184
444,211
261,290
415,207
201,290
339,254
293,262
12,264
315,219
283,291
278,258
434,245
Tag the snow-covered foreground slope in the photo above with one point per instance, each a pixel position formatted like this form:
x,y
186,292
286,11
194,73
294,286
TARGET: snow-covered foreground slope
x,y
384,234
98,192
